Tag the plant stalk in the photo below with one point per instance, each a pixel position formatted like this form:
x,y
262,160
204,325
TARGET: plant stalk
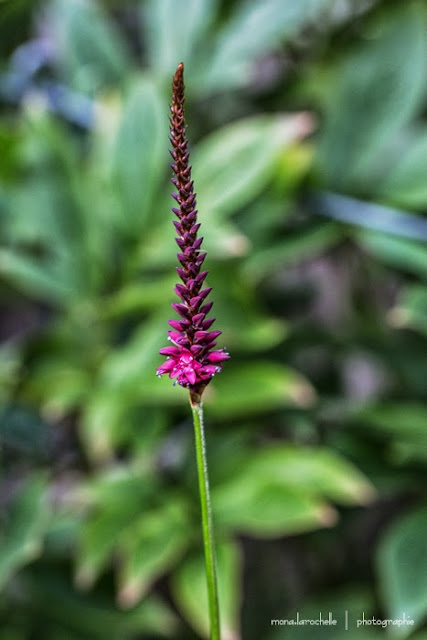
x,y
207,523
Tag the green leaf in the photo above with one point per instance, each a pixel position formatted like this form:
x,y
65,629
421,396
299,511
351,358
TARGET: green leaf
x,y
10,360
36,279
59,386
116,499
150,546
24,431
139,296
190,592
402,569
39,214
412,309
405,185
408,420
294,247
92,52
376,91
97,543
95,615
253,30
140,154
255,332
101,424
282,489
162,20
128,373
24,526
317,471
233,164
250,389
266,509
407,255
402,425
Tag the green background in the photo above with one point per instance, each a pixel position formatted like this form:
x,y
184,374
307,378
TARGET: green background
x,y
308,138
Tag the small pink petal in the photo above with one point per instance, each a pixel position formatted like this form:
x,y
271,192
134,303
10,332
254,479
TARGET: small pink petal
x,y
177,337
181,309
175,324
210,369
196,349
180,291
165,367
218,356
169,351
190,375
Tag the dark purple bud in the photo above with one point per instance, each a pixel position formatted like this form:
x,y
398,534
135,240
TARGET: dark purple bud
x,y
201,276
203,294
206,308
181,273
208,323
181,309
176,324
194,302
181,291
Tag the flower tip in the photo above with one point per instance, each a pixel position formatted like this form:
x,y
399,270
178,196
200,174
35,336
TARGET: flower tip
x,y
179,73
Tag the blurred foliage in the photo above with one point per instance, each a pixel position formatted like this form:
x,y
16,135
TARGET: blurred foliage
x,y
307,122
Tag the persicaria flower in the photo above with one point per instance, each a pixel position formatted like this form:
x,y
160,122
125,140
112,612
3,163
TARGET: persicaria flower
x,y
192,360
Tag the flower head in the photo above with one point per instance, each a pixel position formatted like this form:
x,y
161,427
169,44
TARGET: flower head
x,y
192,360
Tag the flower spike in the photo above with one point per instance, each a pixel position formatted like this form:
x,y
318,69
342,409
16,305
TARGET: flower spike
x,y
191,361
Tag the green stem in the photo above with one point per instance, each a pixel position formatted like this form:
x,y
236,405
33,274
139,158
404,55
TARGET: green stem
x,y
207,524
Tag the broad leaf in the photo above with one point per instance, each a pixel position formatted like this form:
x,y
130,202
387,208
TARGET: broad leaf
x,y
162,20
402,569
233,164
190,592
406,185
407,255
376,91
140,156
92,52
115,500
23,528
412,308
251,389
282,489
254,29
294,247
94,615
266,509
37,278
150,546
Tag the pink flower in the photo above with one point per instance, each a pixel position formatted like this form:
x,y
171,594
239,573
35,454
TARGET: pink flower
x,y
184,366
191,362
